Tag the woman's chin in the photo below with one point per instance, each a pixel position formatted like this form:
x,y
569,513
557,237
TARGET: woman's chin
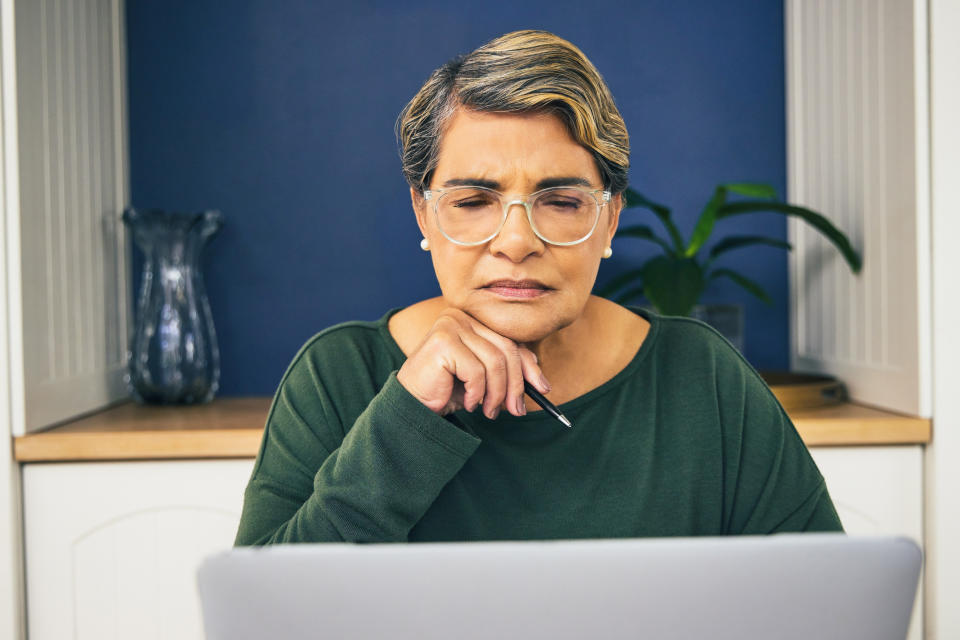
x,y
520,323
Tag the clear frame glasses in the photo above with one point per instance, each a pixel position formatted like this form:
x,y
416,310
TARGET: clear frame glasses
x,y
563,216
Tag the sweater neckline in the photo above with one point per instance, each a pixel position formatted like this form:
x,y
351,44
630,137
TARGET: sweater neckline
x,y
618,379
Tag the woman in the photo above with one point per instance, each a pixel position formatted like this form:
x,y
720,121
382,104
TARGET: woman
x,y
416,427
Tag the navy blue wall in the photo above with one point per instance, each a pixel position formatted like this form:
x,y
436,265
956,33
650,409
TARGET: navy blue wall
x,y
281,115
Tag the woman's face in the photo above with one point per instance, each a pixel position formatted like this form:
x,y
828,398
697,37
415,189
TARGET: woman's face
x,y
513,153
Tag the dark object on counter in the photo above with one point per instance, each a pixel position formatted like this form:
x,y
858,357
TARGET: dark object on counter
x,y
804,390
173,356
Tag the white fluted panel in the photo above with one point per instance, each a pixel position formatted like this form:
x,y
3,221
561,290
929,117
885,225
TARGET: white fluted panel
x,y
73,188
857,148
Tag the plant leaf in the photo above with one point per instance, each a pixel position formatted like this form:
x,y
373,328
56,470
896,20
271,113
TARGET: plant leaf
x,y
744,282
620,282
645,232
752,189
637,199
629,294
705,223
672,284
734,242
813,218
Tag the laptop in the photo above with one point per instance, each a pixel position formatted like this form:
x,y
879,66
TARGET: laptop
x,y
802,586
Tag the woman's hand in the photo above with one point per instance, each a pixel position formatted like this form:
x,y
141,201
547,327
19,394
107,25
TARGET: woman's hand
x,y
463,364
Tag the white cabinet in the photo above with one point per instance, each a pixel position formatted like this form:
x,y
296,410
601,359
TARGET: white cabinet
x,y
878,491
112,548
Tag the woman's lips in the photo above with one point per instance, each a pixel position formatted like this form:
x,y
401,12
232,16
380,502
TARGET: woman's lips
x,y
524,289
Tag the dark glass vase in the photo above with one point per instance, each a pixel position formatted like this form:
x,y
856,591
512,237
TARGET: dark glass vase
x,y
173,356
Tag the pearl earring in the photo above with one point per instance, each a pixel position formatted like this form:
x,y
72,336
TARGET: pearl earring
x,y
425,244
607,252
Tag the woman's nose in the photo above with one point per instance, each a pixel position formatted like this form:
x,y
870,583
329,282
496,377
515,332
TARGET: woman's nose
x,y
516,239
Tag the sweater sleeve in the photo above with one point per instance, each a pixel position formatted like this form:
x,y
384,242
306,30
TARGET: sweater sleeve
x,y
314,483
772,484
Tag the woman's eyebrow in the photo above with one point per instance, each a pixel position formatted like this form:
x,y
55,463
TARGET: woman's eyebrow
x,y
546,183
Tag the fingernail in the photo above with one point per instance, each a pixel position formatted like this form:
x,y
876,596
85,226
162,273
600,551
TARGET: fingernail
x,y
544,384
521,407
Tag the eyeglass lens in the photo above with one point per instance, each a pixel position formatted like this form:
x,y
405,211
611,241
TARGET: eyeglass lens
x,y
560,215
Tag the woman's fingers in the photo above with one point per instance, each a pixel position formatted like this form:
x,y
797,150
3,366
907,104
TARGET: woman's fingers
x,y
471,372
442,363
462,362
498,369
532,372
521,365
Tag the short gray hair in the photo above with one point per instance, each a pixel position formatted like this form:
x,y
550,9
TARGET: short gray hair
x,y
520,72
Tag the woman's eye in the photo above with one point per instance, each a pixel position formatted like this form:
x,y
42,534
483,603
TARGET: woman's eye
x,y
563,204
471,204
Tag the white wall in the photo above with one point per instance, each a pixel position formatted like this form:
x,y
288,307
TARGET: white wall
x,y
943,455
11,572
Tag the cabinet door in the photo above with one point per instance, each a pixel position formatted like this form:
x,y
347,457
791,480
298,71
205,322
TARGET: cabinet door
x,y
878,491
112,548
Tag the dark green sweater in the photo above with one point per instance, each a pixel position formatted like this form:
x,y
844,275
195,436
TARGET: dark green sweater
x,y
686,440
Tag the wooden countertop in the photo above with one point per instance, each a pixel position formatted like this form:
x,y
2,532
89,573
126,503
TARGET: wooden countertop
x,y
232,428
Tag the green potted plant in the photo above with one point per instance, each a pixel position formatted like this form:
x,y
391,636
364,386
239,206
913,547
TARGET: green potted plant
x,y
674,280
